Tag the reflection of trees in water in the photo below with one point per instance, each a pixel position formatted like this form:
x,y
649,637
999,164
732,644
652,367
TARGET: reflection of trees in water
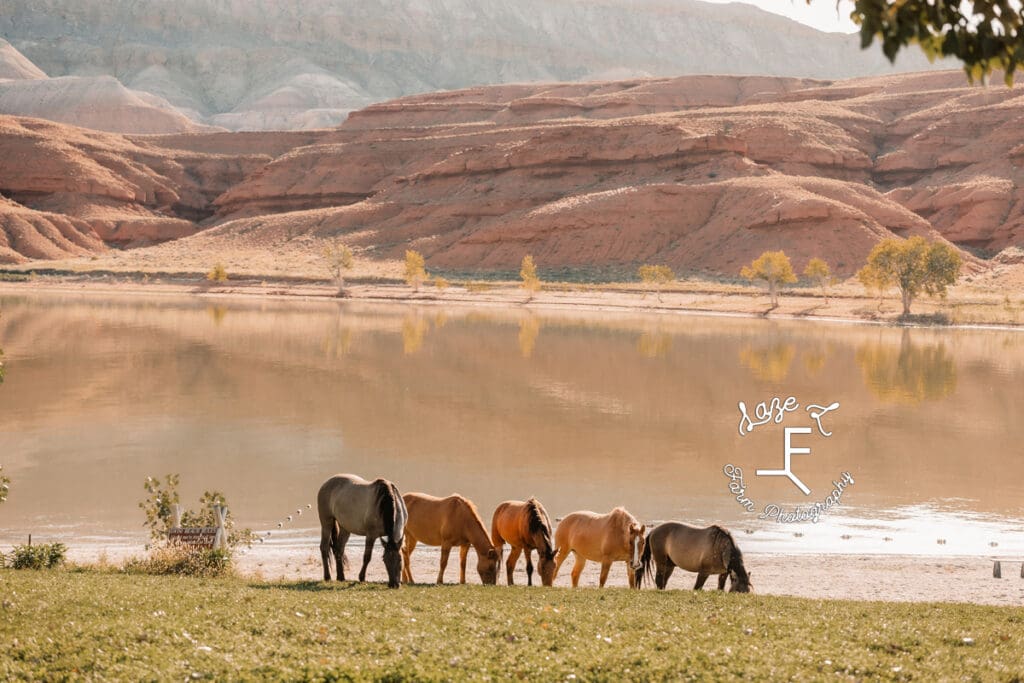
x,y
339,342
814,359
654,344
770,363
414,330
908,374
217,313
529,328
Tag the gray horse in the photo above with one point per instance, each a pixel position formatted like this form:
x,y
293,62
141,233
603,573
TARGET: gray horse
x,y
348,505
706,551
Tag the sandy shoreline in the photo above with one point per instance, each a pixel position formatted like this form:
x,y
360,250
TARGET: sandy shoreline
x,y
895,578
977,308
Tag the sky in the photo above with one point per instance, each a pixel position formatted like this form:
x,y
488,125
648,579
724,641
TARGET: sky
x,y
821,14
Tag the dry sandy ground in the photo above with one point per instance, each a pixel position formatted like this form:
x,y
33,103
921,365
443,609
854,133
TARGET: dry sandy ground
x,y
898,578
970,303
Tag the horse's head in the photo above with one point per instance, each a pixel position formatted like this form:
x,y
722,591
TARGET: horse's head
x,y
636,545
546,566
739,582
487,566
393,560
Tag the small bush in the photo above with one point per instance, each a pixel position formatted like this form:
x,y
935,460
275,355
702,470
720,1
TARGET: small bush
x,y
217,274
43,556
180,560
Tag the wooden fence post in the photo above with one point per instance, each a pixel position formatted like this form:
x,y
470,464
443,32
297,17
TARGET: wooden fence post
x,y
175,516
997,569
220,541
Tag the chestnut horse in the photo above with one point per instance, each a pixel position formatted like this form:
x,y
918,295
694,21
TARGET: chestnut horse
x,y
525,526
448,522
347,505
603,538
705,551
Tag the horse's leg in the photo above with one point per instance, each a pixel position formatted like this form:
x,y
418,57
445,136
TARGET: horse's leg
x,y
664,572
463,554
407,548
577,569
445,549
559,559
367,554
701,578
529,566
510,564
605,566
721,581
631,575
325,548
339,552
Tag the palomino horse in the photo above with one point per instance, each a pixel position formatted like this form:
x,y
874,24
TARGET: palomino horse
x,y
705,551
347,505
448,522
525,526
602,538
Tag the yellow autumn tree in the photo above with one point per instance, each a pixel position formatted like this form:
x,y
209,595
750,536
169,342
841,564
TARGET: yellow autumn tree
x,y
656,277
818,272
415,269
528,274
914,266
774,269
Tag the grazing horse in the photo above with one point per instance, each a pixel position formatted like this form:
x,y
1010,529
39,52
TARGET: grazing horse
x,y
602,538
525,526
347,505
448,522
705,551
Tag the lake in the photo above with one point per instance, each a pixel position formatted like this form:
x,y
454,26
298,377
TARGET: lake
x,y
263,400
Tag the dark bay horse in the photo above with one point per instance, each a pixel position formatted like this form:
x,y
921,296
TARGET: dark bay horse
x,y
705,551
525,527
347,505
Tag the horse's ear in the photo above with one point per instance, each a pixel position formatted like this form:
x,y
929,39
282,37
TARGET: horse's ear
x,y
643,529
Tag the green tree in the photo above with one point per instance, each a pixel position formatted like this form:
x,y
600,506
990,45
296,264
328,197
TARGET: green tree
x,y
528,273
817,271
162,496
656,277
913,265
415,270
984,35
339,259
774,268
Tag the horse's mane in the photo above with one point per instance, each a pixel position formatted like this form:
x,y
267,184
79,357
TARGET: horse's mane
x,y
472,510
387,505
539,521
623,517
723,540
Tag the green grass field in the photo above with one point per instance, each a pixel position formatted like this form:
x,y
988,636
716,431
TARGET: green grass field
x,y
57,625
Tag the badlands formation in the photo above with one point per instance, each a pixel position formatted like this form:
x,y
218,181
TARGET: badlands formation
x,y
271,65
702,173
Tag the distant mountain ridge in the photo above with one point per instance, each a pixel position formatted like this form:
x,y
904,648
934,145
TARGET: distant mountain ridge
x,y
261,64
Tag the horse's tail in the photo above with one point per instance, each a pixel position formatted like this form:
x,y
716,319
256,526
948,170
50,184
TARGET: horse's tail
x,y
646,568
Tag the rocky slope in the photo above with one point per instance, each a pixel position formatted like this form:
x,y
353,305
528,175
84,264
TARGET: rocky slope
x,y
700,173
264,64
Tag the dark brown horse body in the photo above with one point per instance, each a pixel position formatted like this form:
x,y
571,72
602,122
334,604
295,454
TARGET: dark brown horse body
x,y
347,505
525,527
707,551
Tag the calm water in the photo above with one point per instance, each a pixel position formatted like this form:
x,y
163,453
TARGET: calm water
x,y
265,400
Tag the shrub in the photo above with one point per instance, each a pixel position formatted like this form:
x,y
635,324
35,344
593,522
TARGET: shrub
x,y
656,276
42,556
440,283
182,560
217,274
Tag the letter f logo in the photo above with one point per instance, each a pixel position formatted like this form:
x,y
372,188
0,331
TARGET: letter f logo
x,y
791,450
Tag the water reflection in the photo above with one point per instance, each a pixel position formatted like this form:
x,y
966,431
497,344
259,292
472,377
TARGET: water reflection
x,y
907,374
769,363
109,391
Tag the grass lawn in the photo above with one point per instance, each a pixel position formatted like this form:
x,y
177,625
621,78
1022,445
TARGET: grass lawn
x,y
60,624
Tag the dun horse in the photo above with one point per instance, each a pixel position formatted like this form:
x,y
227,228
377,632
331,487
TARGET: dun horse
x,y
347,505
525,527
448,522
603,538
705,551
